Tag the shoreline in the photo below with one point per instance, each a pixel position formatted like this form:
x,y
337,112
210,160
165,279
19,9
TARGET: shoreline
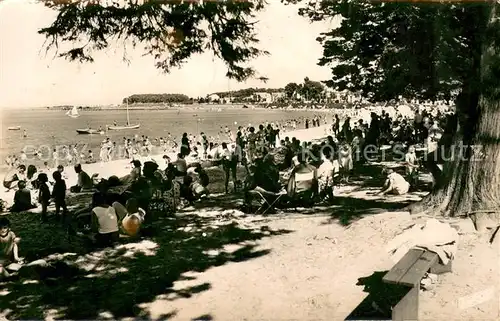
x,y
122,167
183,107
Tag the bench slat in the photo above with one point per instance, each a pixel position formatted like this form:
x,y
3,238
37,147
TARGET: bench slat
x,y
418,270
399,270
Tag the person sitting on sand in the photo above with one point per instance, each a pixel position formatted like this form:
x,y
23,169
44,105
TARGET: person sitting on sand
x,y
180,165
134,175
395,184
172,189
9,248
31,177
12,178
199,182
202,175
167,160
22,199
131,216
84,182
104,221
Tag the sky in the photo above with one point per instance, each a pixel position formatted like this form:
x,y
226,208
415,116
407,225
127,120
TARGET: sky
x,y
31,78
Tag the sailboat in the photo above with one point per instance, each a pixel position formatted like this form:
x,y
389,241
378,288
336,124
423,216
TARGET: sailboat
x,y
73,113
128,126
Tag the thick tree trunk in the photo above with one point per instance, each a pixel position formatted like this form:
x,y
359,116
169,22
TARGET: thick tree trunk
x,y
470,181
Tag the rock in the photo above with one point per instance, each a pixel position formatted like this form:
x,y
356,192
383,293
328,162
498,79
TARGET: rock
x,y
428,282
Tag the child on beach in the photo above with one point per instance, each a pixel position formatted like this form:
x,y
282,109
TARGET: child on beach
x,y
59,194
44,194
11,180
22,199
104,221
9,249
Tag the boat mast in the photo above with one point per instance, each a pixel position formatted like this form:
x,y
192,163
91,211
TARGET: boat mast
x,y
128,118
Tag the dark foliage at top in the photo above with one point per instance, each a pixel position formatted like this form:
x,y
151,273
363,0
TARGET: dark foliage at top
x,y
391,49
170,31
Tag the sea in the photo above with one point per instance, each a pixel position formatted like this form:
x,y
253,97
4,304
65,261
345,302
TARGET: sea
x,y
44,129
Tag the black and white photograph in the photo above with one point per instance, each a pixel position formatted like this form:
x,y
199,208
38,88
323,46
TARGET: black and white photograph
x,y
199,160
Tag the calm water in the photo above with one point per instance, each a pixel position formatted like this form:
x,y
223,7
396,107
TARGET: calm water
x,y
49,128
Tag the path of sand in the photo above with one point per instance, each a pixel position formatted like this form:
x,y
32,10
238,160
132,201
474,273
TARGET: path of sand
x,y
311,274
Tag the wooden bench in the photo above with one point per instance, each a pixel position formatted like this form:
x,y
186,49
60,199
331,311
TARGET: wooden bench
x,y
408,272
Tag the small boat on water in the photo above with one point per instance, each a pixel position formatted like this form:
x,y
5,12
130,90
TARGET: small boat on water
x,y
128,126
73,113
14,128
124,127
88,131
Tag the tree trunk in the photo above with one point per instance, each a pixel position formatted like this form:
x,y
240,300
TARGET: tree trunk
x,y
470,181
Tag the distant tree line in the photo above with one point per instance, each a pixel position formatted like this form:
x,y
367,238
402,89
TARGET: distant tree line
x,y
157,99
247,92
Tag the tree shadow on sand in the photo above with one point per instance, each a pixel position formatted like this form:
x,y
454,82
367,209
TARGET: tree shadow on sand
x,y
119,281
349,209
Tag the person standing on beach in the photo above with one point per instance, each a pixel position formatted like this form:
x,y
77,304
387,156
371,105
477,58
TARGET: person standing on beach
x,y
336,125
205,143
252,144
23,157
185,148
103,152
229,164
44,194
59,194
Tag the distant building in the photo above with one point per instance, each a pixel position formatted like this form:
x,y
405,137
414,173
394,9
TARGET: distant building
x,y
262,97
213,97
266,97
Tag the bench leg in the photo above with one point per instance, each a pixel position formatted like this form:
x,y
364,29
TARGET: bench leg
x,y
407,308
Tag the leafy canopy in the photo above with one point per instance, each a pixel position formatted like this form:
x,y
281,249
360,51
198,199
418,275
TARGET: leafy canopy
x,y
386,50
170,30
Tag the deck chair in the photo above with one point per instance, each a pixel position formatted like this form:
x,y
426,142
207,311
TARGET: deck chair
x,y
267,200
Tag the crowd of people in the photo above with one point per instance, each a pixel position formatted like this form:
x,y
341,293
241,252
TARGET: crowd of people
x,y
276,167
142,145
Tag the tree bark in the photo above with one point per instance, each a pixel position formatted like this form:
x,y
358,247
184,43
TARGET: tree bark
x,y
470,181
